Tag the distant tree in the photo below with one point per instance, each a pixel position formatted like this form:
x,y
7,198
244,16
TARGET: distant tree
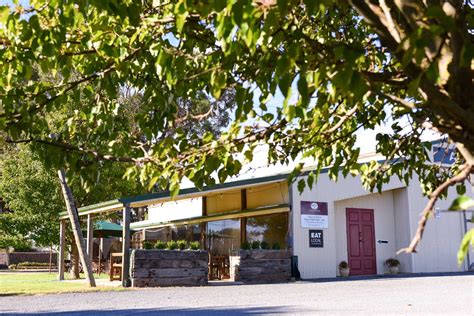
x,y
32,193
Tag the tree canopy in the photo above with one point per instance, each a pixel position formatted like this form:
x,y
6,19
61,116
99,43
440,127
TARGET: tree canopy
x,y
340,66
33,195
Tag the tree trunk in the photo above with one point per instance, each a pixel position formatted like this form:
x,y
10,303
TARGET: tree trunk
x,y
74,262
76,228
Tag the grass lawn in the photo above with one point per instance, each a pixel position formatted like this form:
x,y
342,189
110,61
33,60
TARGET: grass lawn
x,y
44,283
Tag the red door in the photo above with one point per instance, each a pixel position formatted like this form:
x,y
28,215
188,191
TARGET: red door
x,y
361,241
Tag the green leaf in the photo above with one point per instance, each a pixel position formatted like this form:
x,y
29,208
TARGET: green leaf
x,y
461,189
174,188
464,246
4,13
311,179
301,186
152,182
461,203
181,16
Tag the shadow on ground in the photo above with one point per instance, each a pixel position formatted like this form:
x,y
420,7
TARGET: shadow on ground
x,y
390,276
177,311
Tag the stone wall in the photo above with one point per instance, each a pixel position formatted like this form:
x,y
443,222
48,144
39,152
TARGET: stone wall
x,y
151,268
8,258
261,266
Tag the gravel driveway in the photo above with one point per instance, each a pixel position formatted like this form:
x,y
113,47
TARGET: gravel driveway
x,y
446,295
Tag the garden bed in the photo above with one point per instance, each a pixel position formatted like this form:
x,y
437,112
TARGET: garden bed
x,y
14,258
152,268
261,266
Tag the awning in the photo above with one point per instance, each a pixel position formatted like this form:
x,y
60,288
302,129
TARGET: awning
x,y
105,229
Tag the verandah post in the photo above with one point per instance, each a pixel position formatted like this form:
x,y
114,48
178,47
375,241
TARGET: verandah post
x,y
62,241
90,236
126,246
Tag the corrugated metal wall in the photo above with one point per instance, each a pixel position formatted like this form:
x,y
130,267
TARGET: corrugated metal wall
x,y
442,236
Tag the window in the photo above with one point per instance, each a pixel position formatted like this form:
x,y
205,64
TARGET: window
x,y
269,228
223,237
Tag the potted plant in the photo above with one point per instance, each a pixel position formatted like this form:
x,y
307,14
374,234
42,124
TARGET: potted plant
x,y
160,245
171,245
195,245
147,244
344,269
392,265
181,244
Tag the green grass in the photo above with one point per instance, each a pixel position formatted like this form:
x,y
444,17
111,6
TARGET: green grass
x,y
44,283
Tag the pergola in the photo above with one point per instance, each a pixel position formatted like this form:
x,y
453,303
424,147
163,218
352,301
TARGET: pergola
x,y
126,204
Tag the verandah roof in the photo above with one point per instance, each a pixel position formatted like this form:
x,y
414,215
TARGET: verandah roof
x,y
160,197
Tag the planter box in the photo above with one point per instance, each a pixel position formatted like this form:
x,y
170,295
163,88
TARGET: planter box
x,y
261,266
151,268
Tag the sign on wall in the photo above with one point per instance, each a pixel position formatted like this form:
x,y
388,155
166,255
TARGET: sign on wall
x,y
314,214
316,239
444,155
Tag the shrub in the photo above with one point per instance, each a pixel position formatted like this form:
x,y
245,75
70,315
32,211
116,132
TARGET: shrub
x,y
264,245
195,245
256,244
181,244
343,265
160,244
147,244
245,245
276,246
171,245
12,266
391,262
32,264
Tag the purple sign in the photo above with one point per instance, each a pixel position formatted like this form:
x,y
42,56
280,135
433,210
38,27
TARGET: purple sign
x,y
314,214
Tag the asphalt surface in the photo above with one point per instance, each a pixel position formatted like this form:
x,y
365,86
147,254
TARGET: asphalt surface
x,y
433,295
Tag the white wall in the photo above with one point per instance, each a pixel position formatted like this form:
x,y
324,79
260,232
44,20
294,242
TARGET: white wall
x,y
402,228
322,262
174,210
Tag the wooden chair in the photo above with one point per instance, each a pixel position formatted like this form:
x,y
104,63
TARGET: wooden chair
x,y
218,269
214,268
115,267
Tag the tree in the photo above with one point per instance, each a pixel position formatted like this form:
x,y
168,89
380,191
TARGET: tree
x,y
340,67
32,192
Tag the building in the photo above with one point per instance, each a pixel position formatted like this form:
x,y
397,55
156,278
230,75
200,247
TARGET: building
x,y
324,225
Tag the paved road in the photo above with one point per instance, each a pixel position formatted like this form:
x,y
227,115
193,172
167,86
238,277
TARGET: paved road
x,y
442,295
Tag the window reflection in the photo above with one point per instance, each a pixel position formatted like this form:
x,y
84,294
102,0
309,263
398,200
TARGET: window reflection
x,y
184,232
269,228
223,237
